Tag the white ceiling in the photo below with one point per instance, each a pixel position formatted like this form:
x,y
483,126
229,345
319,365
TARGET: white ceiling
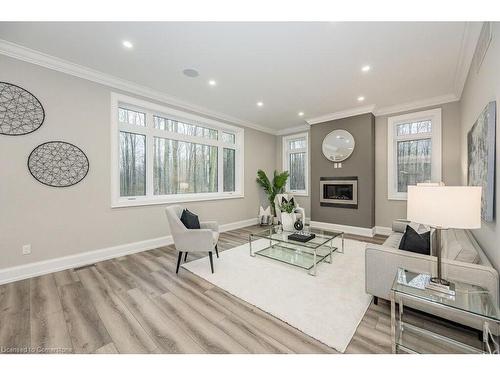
x,y
308,66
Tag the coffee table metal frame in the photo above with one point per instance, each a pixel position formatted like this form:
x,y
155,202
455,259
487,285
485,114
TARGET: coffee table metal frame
x,y
300,247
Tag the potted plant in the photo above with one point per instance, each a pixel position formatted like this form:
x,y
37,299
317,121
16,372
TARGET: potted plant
x,y
288,216
271,189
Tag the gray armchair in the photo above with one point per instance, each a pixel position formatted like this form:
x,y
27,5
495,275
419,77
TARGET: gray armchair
x,y
192,240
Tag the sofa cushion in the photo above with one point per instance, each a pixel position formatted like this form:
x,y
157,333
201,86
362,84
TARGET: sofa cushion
x,y
415,242
457,246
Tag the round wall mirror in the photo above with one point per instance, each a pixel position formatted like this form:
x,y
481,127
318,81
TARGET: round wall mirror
x,y
338,145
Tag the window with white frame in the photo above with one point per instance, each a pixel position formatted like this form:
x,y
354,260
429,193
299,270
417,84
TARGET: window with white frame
x,y
295,161
162,155
414,151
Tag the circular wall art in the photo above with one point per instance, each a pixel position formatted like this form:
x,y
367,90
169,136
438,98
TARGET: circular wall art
x,y
58,164
20,111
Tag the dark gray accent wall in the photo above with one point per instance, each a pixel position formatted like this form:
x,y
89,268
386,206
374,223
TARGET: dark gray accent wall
x,y
361,164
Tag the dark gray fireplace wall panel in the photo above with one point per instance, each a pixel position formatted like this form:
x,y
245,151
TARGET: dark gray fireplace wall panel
x,y
360,164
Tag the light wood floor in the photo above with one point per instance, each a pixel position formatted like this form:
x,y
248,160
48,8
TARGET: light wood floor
x,y
137,304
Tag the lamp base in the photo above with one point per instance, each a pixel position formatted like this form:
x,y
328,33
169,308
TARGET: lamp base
x,y
441,286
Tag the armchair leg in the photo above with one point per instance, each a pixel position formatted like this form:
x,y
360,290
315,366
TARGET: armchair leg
x,y
185,257
375,300
216,251
178,262
211,261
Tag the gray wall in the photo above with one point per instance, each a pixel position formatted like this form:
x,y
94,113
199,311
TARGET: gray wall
x,y
361,163
388,210
481,88
65,221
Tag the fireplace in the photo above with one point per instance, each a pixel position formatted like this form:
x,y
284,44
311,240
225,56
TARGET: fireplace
x,y
339,192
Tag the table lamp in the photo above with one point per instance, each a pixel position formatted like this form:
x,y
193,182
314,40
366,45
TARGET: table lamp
x,y
443,207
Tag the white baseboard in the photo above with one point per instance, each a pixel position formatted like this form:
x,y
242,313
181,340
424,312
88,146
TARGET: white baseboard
x,y
360,231
238,224
29,270
385,231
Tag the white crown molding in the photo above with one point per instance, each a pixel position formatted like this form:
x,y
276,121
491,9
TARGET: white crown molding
x,y
417,104
47,61
341,114
470,39
294,129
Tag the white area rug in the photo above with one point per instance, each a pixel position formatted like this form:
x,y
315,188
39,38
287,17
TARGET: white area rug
x,y
328,306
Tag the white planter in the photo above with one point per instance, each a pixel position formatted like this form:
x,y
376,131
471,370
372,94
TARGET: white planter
x,y
287,221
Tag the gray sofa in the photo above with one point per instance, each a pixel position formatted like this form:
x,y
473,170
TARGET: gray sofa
x,y
463,260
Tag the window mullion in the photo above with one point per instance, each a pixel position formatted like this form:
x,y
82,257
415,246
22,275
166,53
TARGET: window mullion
x,y
149,155
220,169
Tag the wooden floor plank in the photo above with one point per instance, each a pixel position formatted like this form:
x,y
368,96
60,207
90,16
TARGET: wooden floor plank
x,y
107,349
86,330
14,297
50,333
65,277
211,338
15,331
44,296
141,276
169,337
127,334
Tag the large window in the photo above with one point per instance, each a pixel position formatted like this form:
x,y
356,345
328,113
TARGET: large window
x,y
414,151
161,155
295,161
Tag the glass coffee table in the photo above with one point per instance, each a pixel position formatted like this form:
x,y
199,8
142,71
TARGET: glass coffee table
x,y
306,255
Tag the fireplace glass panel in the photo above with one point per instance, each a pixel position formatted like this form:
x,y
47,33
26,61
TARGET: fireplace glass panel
x,y
338,191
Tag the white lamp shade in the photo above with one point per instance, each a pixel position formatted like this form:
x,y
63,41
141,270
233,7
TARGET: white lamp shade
x,y
445,206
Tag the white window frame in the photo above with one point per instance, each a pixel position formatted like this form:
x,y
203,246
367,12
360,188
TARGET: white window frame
x,y
286,159
152,109
434,115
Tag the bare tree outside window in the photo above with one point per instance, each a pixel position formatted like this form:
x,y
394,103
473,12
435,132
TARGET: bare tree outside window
x,y
132,164
297,171
130,117
414,162
229,169
184,167
183,128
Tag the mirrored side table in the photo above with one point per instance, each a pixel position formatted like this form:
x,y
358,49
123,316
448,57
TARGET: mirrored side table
x,y
470,300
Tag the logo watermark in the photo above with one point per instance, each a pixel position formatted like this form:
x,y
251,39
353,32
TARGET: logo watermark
x,y
33,350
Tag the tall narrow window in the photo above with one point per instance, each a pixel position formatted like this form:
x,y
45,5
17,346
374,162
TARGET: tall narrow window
x,y
163,155
229,169
295,161
414,151
132,164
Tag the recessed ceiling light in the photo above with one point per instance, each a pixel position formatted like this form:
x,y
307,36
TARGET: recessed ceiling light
x,y
366,68
192,73
212,82
301,114
260,104
361,98
127,44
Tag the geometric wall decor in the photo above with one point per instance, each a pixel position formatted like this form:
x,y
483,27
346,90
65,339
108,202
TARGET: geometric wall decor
x,y
20,111
58,164
481,159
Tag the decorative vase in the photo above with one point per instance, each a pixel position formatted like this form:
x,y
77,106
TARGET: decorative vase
x,y
287,221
